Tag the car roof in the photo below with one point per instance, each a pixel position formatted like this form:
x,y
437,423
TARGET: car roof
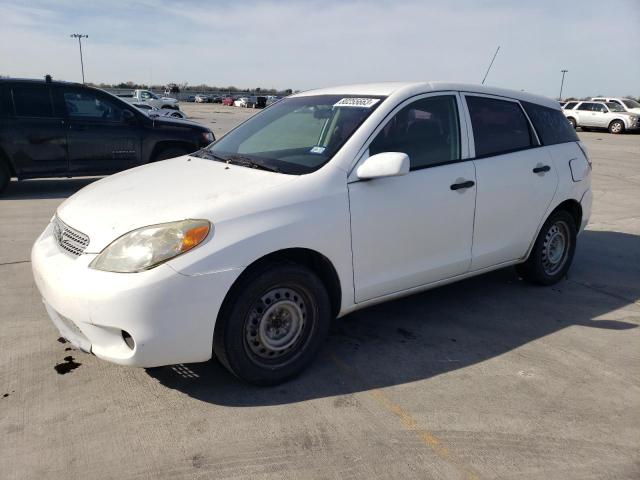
x,y
38,80
408,89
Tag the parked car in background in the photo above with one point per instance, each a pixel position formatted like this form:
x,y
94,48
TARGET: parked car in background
x,y
271,99
600,115
145,96
202,98
241,102
60,129
325,203
216,99
228,101
190,98
627,104
165,112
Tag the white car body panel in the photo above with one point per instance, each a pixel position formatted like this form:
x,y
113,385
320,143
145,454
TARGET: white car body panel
x,y
385,237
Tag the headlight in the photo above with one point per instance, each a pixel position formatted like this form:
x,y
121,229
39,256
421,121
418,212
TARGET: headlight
x,y
633,118
208,137
150,246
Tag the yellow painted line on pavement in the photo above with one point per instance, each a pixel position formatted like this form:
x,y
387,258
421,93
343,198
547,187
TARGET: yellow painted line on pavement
x,y
406,419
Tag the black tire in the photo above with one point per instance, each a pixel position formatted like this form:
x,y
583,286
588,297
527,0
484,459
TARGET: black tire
x,y
544,265
250,321
572,121
616,127
5,176
170,152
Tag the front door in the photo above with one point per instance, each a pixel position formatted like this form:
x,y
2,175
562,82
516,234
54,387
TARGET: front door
x,y
516,181
100,140
415,229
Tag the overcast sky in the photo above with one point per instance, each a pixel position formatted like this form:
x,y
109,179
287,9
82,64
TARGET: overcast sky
x,y
306,44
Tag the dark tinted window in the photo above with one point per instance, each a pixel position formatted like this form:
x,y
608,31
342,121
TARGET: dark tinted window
x,y
552,126
499,126
586,106
86,104
426,130
32,101
599,108
570,105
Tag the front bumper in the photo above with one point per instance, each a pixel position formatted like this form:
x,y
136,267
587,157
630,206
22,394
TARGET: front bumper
x,y
170,316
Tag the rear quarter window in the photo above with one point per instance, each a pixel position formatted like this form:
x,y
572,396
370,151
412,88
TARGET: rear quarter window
x,y
552,126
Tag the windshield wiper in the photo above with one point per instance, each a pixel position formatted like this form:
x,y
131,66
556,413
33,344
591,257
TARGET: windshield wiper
x,y
204,153
247,162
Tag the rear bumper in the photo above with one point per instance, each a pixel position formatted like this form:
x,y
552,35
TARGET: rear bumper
x,y
170,316
585,203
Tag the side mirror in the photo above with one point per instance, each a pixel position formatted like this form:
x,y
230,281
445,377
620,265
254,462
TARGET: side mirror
x,y
128,116
386,164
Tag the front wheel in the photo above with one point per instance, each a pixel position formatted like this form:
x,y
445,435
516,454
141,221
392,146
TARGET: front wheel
x,y
273,324
616,127
553,251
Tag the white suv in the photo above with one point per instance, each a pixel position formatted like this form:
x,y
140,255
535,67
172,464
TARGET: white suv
x,y
596,115
627,104
324,203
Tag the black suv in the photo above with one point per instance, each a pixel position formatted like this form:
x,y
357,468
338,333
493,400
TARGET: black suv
x,y
60,129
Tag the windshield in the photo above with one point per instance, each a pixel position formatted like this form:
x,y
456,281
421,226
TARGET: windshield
x,y
631,103
615,107
296,135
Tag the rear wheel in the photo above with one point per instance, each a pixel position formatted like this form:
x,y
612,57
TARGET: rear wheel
x,y
616,127
572,121
170,152
273,324
553,251
5,176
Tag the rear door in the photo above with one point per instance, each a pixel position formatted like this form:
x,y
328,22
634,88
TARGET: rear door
x,y
35,135
100,139
587,114
516,180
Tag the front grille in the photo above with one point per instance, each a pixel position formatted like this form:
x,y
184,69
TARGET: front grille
x,y
69,239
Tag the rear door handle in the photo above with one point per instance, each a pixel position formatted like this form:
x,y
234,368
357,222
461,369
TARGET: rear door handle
x,y
542,168
461,185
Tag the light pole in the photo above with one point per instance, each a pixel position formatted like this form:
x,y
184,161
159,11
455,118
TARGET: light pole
x,y
562,83
80,36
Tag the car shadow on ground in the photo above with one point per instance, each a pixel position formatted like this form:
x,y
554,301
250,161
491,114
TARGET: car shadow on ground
x,y
441,330
45,188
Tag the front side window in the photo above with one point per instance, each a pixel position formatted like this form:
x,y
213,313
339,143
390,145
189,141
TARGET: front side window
x,y
87,105
426,130
551,124
598,107
32,101
615,107
499,126
295,135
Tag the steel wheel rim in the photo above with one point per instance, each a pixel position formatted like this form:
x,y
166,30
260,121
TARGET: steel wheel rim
x,y
555,248
275,324
616,127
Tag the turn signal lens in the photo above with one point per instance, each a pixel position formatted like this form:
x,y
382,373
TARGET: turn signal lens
x,y
193,237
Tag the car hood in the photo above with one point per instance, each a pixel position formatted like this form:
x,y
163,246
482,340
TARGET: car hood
x,y
162,120
169,99
177,189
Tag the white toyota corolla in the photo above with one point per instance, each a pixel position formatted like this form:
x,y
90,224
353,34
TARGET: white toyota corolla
x,y
326,202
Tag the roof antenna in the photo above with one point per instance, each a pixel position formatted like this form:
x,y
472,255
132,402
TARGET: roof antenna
x,y
491,64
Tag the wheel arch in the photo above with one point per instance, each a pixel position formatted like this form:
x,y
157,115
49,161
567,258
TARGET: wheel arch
x,y
5,160
312,259
166,144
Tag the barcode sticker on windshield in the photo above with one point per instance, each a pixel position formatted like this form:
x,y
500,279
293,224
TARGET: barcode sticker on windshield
x,y
357,102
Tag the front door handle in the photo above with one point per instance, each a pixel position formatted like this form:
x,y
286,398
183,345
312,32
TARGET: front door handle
x,y
541,169
461,185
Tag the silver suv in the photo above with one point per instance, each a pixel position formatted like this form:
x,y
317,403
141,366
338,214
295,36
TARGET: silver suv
x,y
606,115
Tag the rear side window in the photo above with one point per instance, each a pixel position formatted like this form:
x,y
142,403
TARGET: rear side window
x,y
499,126
569,105
426,130
552,126
32,101
586,106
